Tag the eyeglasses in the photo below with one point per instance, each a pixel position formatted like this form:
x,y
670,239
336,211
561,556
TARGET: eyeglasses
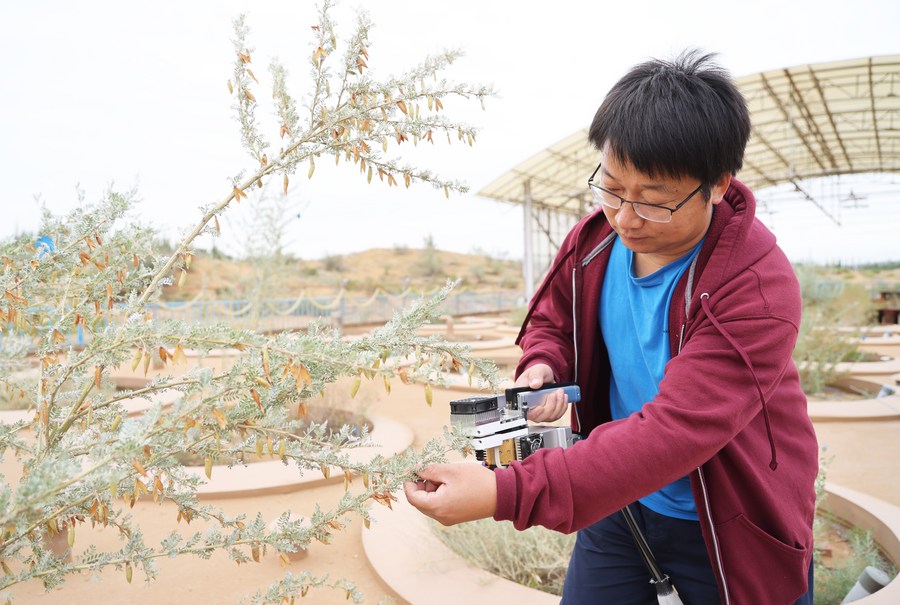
x,y
651,212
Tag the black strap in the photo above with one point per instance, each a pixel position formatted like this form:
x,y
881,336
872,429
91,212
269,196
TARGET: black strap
x,y
642,546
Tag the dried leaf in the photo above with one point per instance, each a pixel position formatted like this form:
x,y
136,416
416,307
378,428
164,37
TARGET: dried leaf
x,y
302,376
265,361
179,357
220,417
139,467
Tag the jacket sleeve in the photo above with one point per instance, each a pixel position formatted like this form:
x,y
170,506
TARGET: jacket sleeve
x,y
706,399
547,335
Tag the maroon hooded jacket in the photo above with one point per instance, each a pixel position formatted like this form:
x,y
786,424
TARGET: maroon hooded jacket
x,y
730,411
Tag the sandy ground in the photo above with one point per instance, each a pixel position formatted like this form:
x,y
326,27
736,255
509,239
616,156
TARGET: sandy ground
x,y
864,456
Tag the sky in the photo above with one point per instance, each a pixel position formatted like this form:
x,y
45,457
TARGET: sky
x,y
100,94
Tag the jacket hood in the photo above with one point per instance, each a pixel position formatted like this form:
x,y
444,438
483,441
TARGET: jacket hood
x,y
740,239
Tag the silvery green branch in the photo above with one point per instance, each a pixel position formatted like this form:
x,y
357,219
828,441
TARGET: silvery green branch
x,y
77,306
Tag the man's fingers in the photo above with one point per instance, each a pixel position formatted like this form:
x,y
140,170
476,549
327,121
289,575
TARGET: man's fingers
x,y
434,474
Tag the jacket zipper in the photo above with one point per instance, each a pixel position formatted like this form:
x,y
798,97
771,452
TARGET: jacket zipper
x,y
575,342
715,538
584,262
706,507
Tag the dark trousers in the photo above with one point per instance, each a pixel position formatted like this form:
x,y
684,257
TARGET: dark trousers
x,y
607,569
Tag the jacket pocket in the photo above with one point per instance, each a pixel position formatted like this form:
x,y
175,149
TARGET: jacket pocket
x,y
760,568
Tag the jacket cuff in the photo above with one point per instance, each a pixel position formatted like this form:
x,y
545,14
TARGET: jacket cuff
x,y
506,494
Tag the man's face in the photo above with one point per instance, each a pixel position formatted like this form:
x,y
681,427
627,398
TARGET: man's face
x,y
657,244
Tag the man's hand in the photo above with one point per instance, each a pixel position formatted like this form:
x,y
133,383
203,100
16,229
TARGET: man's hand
x,y
554,404
454,493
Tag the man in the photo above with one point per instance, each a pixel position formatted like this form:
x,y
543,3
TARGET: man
x,y
677,313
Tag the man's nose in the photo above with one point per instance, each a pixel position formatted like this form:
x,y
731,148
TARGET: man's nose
x,y
627,217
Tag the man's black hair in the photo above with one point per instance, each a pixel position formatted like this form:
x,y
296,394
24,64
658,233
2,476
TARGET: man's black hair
x,y
677,118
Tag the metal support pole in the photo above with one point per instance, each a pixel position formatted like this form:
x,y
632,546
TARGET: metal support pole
x,y
528,260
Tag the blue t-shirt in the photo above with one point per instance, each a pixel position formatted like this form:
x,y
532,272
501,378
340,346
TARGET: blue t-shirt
x,y
634,319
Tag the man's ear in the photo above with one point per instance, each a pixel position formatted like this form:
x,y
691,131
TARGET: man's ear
x,y
717,193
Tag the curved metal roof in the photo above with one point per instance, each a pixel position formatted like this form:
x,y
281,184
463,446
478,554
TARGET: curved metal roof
x,y
808,121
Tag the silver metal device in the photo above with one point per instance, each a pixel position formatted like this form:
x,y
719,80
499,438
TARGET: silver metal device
x,y
497,425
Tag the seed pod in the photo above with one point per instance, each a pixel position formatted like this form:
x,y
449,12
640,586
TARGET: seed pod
x,y
116,422
128,572
136,359
71,536
207,467
146,362
428,394
355,387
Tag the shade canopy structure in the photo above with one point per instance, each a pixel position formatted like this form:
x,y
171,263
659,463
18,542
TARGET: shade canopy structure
x,y
808,122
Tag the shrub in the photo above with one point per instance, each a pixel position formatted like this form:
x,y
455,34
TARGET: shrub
x,y
85,461
537,557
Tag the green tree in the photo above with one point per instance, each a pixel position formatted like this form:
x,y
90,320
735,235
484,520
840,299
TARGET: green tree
x,y
85,461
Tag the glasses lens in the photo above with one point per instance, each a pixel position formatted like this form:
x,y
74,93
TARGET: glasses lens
x,y
607,199
652,213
